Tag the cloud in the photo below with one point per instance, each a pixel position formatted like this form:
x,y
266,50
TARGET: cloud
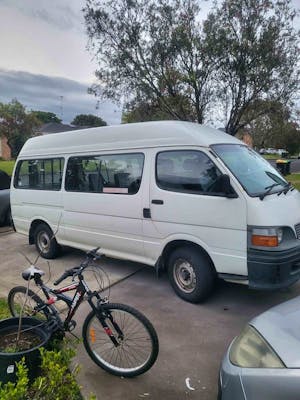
x,y
58,13
41,92
44,37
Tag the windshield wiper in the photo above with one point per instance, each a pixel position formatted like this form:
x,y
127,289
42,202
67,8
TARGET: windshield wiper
x,y
288,187
269,188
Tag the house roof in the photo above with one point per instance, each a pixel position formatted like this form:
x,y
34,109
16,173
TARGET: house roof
x,y
57,127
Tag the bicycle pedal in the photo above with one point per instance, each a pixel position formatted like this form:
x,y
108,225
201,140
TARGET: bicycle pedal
x,y
71,325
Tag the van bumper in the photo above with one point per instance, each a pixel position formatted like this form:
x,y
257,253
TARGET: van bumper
x,y
273,269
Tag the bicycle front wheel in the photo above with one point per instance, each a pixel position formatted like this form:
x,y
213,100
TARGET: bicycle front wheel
x,y
20,298
127,344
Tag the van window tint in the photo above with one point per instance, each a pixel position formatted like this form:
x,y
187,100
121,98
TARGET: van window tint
x,y
40,174
118,173
187,171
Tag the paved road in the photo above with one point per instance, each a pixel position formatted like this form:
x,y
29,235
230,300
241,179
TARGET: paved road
x,y
192,337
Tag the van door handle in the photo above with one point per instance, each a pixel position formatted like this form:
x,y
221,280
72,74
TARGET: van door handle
x,y
157,202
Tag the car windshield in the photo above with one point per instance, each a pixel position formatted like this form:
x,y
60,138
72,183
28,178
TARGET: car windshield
x,y
254,173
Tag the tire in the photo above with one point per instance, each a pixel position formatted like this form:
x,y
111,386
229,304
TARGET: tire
x,y
16,299
191,274
45,242
134,325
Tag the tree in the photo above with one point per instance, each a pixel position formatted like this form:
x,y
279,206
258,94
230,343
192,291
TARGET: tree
x,y
151,52
16,125
275,127
257,53
158,52
151,110
88,120
46,117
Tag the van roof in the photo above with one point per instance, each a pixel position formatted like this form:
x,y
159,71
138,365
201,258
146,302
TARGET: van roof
x,y
126,136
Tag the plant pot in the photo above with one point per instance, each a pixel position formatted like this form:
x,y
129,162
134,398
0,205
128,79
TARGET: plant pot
x,y
32,355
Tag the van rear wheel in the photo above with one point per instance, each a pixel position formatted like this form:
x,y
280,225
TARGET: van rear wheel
x,y
45,242
191,274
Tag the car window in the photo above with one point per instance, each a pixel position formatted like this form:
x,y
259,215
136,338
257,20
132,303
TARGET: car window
x,y
39,174
187,171
114,173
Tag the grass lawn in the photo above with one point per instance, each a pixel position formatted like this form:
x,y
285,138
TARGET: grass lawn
x,y
7,166
294,179
271,156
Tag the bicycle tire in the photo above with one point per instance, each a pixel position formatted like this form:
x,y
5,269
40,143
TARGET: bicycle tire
x,y
33,300
118,360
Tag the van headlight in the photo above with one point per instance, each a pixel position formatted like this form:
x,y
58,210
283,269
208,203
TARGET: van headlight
x,y
266,237
250,350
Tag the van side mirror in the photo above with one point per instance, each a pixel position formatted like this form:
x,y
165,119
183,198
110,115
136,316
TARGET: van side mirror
x,y
226,187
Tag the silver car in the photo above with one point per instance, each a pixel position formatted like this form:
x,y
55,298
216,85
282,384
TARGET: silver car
x,y
5,214
263,363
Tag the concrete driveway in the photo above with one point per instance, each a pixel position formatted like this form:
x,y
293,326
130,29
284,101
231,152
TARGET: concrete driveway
x,y
192,337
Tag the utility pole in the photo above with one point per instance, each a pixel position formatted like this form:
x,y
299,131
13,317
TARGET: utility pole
x,y
98,107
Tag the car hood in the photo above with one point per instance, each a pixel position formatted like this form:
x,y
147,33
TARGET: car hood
x,y
280,326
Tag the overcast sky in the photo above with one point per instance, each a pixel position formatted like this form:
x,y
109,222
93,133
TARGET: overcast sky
x,y
44,57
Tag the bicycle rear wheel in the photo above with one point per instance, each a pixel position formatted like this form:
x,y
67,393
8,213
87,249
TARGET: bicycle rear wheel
x,y
18,297
137,342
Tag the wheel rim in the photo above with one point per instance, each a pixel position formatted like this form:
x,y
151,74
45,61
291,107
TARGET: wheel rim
x,y
184,275
134,350
43,242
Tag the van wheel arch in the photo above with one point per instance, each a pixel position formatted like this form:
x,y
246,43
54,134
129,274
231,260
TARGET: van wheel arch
x,y
33,226
170,247
190,269
40,229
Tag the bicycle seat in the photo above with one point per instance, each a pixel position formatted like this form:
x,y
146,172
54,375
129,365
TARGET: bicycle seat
x,y
31,272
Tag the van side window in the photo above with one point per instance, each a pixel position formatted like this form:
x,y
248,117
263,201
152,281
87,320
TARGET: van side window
x,y
39,174
187,171
116,173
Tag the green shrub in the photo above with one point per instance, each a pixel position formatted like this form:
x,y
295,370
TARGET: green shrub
x,y
4,311
56,382
18,390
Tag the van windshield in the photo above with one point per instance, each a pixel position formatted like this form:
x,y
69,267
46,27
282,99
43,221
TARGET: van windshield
x,y
255,174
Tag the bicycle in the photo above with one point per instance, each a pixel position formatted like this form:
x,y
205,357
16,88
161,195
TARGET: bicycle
x,y
117,337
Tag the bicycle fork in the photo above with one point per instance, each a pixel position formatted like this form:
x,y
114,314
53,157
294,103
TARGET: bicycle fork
x,y
102,315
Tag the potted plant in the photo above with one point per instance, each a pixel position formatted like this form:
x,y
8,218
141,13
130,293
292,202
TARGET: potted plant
x,y
21,337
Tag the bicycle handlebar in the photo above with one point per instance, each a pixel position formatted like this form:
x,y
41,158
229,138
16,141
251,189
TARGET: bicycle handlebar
x,y
68,272
71,272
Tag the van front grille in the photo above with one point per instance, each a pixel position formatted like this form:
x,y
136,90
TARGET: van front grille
x,y
297,228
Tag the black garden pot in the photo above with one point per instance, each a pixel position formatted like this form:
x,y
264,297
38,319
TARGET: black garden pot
x,y
32,356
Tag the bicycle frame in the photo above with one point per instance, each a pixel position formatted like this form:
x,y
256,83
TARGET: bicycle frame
x,y
81,288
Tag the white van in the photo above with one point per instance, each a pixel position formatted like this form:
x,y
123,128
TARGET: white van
x,y
175,195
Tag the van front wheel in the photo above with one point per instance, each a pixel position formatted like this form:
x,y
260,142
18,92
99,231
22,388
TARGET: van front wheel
x,y
45,242
191,274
